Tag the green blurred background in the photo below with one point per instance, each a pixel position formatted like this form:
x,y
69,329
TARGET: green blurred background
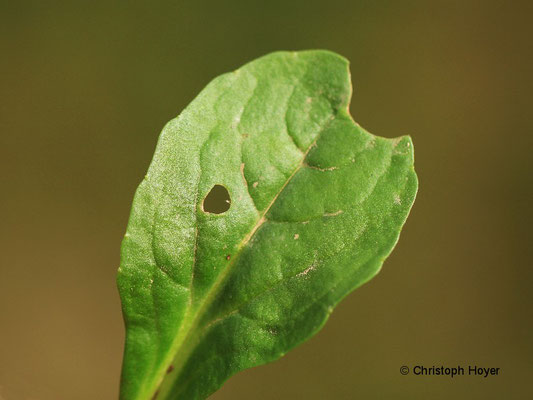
x,y
86,88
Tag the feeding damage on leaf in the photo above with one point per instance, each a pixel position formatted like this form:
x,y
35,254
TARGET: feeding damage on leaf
x,y
217,201
264,205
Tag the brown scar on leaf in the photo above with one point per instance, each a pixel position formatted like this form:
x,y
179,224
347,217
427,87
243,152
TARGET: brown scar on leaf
x,y
307,270
333,214
322,169
170,369
242,173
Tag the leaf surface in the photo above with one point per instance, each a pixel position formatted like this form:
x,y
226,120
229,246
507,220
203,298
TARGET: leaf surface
x,y
317,204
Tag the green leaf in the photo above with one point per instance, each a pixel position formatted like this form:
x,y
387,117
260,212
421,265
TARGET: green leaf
x,y
316,205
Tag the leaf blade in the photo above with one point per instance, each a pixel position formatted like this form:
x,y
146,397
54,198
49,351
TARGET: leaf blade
x,y
270,133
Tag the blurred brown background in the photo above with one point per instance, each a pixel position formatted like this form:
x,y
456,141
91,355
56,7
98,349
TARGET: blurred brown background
x,y
86,88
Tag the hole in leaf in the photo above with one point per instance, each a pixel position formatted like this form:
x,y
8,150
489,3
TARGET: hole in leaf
x,y
217,200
